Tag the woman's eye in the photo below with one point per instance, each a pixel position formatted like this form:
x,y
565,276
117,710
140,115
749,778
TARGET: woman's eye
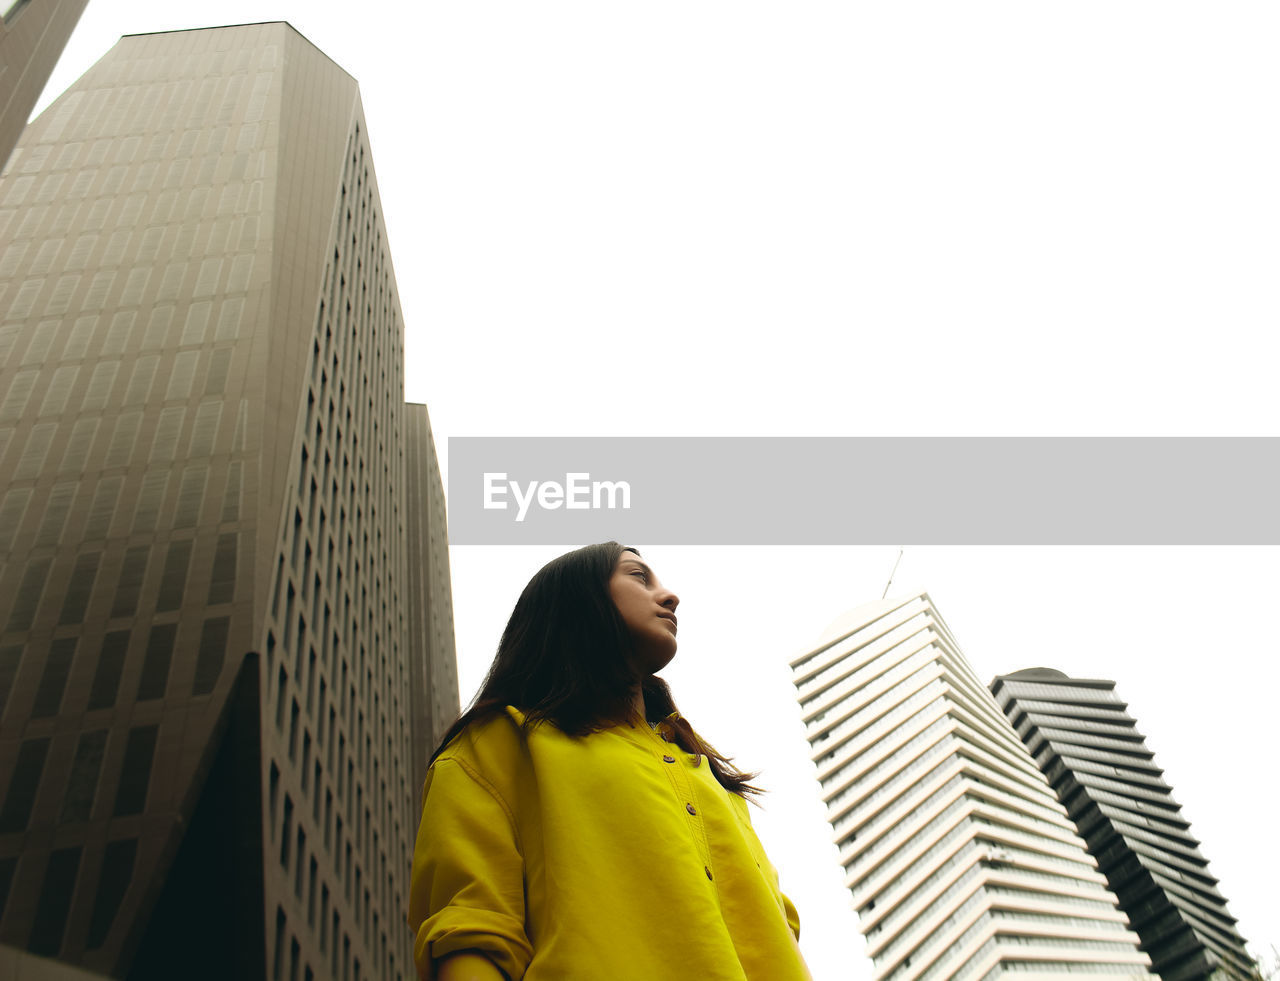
x,y
640,575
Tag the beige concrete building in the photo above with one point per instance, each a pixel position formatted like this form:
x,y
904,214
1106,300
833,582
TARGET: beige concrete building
x,y
32,36
961,861
225,628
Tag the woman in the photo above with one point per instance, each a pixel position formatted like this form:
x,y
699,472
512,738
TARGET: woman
x,y
574,826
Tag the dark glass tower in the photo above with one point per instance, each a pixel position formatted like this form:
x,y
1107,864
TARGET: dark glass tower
x,y
224,587
1098,763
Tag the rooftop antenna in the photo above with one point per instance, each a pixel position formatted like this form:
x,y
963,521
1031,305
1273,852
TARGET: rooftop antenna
x,y
895,569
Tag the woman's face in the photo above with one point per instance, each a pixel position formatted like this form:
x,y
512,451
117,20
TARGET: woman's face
x,y
648,609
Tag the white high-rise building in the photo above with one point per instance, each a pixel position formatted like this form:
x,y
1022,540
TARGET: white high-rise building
x,y
961,861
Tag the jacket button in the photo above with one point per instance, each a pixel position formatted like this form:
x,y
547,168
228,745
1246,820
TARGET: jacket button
x,y
668,759
690,808
708,871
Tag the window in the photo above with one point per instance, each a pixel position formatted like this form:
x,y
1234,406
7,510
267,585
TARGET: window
x,y
120,451
10,865
117,871
286,830
23,785
298,863
53,680
311,892
190,497
155,667
132,572
10,659
11,512
144,370
55,900
80,588
173,582
165,444
28,595
150,496
213,650
82,785
231,496
135,774
103,507
294,712
223,581
204,429
278,961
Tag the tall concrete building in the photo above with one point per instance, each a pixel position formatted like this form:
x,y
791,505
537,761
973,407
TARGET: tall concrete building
x,y
225,585
32,36
961,861
1097,761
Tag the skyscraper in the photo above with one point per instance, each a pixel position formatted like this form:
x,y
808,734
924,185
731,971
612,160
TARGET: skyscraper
x,y
961,861
1089,748
32,36
225,587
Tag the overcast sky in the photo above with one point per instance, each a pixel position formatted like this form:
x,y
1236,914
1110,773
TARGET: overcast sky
x,y
894,218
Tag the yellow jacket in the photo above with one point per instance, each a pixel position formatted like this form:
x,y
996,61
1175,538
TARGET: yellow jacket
x,y
608,857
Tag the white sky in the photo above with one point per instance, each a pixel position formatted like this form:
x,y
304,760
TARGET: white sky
x,y
891,218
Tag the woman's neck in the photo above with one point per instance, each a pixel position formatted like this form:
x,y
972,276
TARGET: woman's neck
x,y
637,704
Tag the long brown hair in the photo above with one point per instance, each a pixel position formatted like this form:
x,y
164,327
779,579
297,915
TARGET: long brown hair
x,y
660,708
566,657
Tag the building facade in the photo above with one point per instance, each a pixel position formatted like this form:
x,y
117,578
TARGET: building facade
x,y
961,861
224,589
32,36
1082,737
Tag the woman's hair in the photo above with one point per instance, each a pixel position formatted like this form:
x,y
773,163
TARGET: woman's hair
x,y
567,657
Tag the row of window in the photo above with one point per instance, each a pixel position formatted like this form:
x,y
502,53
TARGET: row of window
x,y
136,239
59,499
94,378
867,657
56,667
930,952
58,887
365,895
137,286
80,794
335,597
915,920
332,718
342,963
872,724
93,387
34,589
894,890
115,107
838,651
98,166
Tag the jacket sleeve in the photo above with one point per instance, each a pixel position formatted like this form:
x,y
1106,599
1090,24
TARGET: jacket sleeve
x,y
788,908
467,888
789,911
792,914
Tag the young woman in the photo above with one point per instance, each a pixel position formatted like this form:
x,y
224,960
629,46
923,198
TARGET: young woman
x,y
574,826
